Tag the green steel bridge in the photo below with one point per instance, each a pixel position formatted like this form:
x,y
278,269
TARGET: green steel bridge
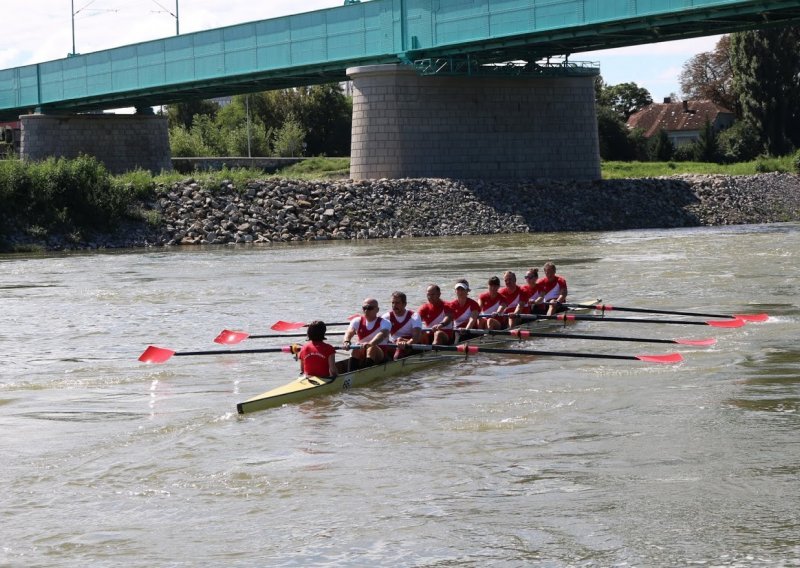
x,y
437,36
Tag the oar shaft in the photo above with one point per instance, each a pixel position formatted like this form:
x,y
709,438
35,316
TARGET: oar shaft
x,y
608,308
277,335
571,317
472,349
524,333
233,352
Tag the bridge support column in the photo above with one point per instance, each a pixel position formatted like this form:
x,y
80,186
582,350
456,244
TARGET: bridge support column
x,y
123,142
472,127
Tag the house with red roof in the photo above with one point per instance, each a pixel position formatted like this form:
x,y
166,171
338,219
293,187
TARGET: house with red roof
x,y
682,121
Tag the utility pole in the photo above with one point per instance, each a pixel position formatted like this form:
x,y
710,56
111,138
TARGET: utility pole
x,y
72,12
175,15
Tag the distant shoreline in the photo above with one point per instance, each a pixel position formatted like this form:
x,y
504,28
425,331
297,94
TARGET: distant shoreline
x,y
284,210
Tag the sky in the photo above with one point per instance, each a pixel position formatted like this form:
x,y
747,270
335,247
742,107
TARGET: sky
x,y
41,30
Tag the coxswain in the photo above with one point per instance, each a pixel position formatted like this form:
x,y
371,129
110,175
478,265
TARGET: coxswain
x,y
317,358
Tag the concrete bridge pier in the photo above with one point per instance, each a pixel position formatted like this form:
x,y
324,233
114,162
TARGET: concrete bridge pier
x,y
123,142
472,127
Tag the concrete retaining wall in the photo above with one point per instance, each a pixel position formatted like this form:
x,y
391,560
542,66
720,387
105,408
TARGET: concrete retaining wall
x,y
407,125
122,142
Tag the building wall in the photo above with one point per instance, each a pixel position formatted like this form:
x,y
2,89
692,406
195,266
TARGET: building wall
x,y
407,125
122,142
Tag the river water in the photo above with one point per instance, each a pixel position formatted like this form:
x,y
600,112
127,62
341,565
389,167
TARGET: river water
x,y
496,461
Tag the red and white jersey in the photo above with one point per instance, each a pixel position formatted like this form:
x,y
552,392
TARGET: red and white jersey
x,y
490,305
461,314
403,326
513,299
433,315
531,292
551,289
366,331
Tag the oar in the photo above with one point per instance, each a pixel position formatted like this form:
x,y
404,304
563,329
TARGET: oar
x,y
230,337
523,334
472,349
155,354
573,317
281,325
608,308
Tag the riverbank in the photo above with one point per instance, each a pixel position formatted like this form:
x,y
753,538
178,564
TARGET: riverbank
x,y
282,210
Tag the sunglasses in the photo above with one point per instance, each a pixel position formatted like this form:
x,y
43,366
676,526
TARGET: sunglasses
x,y
529,277
368,308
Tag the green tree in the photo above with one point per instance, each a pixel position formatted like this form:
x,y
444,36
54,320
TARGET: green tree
x,y
185,144
766,70
661,149
182,114
613,135
624,99
327,119
232,121
290,138
739,143
706,148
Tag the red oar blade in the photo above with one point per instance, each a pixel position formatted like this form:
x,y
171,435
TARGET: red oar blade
x,y
668,358
155,354
700,342
228,337
726,323
281,325
752,317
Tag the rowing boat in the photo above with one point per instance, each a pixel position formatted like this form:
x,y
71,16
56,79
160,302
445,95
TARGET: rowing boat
x,y
304,388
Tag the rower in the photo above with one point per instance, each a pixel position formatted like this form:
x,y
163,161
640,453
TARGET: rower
x,y
515,297
492,306
372,332
551,292
438,317
406,325
465,310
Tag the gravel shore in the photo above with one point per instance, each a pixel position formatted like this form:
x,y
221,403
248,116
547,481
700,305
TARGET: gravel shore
x,y
281,210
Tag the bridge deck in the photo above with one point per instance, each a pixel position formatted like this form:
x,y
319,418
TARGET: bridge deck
x,y
319,46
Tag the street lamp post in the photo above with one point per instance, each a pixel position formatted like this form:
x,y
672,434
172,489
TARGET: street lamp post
x,y
72,11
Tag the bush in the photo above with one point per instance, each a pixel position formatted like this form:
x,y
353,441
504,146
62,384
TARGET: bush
x,y
60,195
290,138
796,162
661,148
684,153
739,143
186,144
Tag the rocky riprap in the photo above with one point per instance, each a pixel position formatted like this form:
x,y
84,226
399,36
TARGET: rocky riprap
x,y
281,210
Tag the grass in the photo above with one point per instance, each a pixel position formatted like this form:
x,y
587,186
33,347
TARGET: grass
x,y
339,168
318,168
634,170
